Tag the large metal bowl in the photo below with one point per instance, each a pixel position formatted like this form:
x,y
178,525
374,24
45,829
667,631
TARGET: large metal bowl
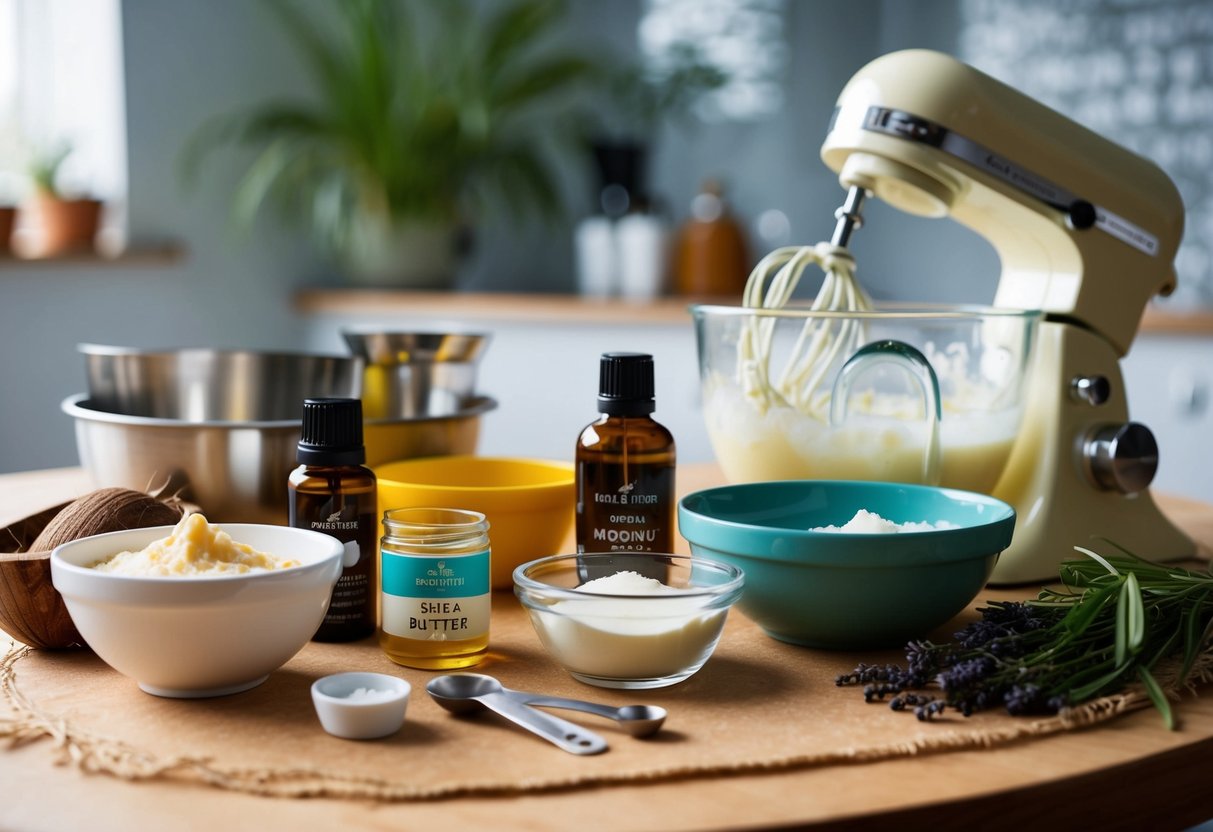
x,y
207,385
237,471
411,374
451,434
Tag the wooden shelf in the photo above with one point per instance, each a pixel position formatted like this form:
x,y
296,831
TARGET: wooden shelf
x,y
538,308
1192,322
150,254
479,306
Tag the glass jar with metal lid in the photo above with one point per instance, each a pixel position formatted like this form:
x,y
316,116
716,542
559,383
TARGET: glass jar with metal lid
x,y
435,597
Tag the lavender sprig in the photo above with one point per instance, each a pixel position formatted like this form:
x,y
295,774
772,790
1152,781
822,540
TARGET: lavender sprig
x,y
1116,618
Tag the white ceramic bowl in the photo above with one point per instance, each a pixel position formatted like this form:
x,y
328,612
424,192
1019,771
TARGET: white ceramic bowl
x,y
344,714
191,637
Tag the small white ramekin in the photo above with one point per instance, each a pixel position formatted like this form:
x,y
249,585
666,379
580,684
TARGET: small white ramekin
x,y
360,720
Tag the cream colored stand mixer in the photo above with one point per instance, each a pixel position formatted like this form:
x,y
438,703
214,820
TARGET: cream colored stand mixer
x,y
1086,232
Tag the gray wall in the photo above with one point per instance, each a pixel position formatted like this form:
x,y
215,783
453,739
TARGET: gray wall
x,y
186,60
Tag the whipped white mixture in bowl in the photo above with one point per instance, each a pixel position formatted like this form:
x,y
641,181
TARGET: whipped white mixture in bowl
x,y
768,410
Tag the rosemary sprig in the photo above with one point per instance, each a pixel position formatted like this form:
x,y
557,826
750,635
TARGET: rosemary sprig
x,y
1115,620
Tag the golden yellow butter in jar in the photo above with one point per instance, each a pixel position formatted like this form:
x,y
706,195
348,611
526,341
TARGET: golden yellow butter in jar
x,y
435,596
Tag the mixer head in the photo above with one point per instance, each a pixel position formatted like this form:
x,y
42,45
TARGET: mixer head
x,y
1085,229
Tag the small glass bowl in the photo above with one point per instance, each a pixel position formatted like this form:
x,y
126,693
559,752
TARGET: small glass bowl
x,y
629,641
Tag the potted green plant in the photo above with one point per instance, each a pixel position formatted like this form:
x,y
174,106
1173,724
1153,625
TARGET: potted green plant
x,y
56,222
421,114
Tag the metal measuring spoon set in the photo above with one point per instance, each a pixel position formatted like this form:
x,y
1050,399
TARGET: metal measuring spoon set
x,y
463,693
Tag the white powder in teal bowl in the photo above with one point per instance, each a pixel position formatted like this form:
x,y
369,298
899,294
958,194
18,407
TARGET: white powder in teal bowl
x,y
866,522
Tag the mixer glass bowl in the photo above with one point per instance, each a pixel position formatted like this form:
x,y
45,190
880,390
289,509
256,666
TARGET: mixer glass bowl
x,y
937,399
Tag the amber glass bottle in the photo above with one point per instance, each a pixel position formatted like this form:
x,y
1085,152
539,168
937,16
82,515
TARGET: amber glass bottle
x,y
625,465
332,492
711,257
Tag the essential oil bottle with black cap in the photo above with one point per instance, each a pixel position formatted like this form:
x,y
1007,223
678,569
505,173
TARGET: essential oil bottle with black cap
x,y
331,492
625,464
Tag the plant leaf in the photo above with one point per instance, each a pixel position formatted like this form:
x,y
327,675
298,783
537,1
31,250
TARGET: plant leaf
x,y
1089,605
1090,689
538,81
319,56
1099,558
1130,620
514,29
1194,639
1157,697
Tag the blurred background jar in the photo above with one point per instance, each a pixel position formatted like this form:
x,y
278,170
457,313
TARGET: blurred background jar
x,y
712,255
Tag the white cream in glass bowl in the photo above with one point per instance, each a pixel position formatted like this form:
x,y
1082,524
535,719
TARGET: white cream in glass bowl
x,y
632,620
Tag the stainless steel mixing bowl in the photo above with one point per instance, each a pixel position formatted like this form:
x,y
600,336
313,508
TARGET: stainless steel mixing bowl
x,y
410,374
404,347
237,471
456,433
207,385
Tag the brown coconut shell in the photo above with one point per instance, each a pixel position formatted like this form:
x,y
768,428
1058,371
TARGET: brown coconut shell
x,y
105,510
31,610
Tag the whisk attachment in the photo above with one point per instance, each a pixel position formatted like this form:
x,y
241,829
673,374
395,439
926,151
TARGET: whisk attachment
x,y
770,286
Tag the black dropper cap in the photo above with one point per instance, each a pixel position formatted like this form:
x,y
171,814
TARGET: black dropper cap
x,y
332,433
625,384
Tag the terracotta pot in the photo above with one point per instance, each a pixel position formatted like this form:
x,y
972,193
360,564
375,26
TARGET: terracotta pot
x,y
59,225
8,218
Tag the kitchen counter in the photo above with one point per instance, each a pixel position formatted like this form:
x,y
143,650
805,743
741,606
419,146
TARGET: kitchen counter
x,y
1130,773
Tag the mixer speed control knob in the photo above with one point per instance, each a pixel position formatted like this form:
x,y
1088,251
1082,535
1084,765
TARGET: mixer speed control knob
x,y
1120,457
1092,390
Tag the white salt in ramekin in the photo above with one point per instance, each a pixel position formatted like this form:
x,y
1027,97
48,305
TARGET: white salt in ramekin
x,y
360,720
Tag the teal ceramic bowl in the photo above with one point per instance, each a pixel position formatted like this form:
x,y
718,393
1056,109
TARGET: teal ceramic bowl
x,y
843,590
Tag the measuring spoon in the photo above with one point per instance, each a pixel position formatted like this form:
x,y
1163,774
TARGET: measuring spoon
x,y
468,692
637,720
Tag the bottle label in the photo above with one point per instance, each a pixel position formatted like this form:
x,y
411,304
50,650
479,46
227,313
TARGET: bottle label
x,y
633,515
351,608
436,599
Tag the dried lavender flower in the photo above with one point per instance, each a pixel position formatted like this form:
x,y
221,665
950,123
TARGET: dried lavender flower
x,y
1117,617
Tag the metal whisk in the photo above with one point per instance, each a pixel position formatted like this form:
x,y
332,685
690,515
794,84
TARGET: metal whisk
x,y
770,286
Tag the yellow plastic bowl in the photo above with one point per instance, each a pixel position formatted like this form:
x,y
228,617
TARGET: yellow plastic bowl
x,y
528,502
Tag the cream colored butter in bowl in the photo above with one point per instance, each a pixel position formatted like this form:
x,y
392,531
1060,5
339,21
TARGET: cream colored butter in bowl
x,y
192,622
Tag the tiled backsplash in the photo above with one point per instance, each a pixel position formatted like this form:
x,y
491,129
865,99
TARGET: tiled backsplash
x,y
1137,71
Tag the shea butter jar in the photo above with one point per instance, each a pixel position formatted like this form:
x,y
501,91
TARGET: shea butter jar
x,y
624,629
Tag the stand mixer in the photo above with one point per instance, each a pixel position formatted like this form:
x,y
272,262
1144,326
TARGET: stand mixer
x,y
1086,232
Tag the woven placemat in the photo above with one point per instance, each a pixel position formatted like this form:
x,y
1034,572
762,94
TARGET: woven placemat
x,y
758,705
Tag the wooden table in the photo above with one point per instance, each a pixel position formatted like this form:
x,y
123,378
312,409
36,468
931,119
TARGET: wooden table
x,y
1129,774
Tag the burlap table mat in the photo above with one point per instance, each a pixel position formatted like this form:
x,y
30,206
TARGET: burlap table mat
x,y
757,705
